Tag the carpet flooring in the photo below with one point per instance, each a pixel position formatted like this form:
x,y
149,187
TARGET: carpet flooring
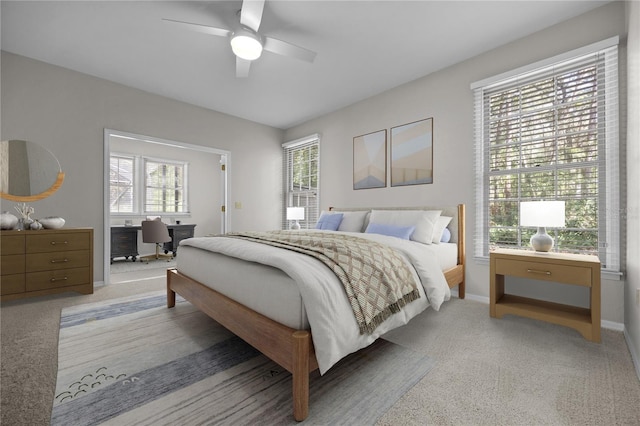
x,y
510,371
133,361
120,266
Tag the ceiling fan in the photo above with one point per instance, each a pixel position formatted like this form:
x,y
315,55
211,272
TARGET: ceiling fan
x,y
246,43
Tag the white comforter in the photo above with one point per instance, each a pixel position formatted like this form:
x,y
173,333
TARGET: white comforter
x,y
334,329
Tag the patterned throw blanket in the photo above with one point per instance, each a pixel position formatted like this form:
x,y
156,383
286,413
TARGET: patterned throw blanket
x,y
376,279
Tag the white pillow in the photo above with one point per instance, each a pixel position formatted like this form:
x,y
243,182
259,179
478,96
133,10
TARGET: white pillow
x,y
423,220
438,229
351,221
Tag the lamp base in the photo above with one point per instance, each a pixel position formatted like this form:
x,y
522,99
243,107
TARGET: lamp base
x,y
541,241
295,225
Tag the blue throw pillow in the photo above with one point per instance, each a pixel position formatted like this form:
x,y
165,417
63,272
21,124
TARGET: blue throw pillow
x,y
329,222
446,236
403,232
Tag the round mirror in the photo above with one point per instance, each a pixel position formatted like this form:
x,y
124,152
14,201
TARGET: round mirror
x,y
28,171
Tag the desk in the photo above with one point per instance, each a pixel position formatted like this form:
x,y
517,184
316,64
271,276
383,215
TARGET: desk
x,y
124,239
560,268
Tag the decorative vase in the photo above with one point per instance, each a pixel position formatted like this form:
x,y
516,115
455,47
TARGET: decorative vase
x,y
8,221
52,222
35,225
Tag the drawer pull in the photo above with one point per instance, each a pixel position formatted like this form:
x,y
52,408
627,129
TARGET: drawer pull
x,y
53,243
59,261
59,279
537,271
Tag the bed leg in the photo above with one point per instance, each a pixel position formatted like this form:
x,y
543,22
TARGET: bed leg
x,y
171,295
300,374
461,290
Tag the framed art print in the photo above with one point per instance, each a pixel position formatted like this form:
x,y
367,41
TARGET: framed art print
x,y
412,153
370,160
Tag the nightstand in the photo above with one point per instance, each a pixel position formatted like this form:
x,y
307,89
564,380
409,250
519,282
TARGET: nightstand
x,y
562,268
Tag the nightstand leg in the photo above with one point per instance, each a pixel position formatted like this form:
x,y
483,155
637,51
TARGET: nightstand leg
x,y
497,291
595,304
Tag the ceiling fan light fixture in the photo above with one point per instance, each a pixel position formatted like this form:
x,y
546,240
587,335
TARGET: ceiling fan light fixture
x,y
246,44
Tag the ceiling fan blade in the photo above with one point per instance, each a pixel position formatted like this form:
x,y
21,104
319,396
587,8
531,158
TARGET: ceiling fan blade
x,y
242,67
251,13
200,28
287,49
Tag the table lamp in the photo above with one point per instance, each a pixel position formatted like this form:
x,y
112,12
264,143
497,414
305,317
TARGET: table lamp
x,y
295,214
542,214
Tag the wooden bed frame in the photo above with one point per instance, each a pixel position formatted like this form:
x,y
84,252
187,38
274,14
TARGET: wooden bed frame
x,y
291,349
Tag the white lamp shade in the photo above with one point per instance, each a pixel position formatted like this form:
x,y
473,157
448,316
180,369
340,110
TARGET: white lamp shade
x,y
549,214
295,213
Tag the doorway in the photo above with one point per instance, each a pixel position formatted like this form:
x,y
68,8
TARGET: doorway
x,y
205,185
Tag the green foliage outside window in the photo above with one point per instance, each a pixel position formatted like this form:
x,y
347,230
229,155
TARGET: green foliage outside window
x,y
544,145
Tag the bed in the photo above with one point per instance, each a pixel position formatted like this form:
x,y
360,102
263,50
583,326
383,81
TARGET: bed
x,y
284,335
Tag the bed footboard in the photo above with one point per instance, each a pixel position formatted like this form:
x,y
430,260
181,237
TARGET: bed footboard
x,y
291,349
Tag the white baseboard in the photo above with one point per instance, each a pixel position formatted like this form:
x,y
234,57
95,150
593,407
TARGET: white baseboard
x,y
609,325
483,299
635,357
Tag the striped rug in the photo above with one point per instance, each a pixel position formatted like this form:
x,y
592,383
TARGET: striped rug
x,y
133,361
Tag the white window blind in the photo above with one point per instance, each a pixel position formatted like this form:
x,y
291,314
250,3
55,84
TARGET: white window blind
x,y
551,133
302,179
121,184
165,184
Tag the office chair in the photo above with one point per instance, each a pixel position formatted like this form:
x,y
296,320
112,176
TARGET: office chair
x,y
154,231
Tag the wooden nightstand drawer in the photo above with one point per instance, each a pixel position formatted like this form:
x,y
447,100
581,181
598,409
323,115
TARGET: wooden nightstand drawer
x,y
53,261
54,242
544,271
11,284
12,264
52,279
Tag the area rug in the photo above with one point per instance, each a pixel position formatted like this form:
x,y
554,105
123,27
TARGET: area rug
x,y
133,361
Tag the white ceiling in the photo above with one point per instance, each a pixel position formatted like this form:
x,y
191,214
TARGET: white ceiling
x,y
364,47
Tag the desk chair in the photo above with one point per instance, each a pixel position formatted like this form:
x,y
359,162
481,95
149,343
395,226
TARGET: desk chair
x,y
154,231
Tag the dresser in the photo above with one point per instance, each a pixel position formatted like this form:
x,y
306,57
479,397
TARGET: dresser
x,y
47,261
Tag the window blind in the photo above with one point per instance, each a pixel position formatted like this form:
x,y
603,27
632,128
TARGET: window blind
x,y
551,134
302,179
121,184
165,187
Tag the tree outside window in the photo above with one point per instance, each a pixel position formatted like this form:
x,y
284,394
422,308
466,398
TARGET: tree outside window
x,y
551,135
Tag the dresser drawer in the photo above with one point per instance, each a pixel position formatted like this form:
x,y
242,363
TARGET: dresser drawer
x,y
53,261
12,264
11,284
544,271
59,278
12,244
55,242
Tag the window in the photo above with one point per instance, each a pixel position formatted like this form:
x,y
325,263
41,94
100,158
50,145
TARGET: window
x,y
302,178
551,133
121,178
156,187
164,187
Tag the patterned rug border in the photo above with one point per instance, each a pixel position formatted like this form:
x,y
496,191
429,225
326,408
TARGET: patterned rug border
x,y
210,364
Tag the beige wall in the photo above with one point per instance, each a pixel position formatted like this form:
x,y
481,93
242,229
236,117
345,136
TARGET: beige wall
x,y
67,112
632,304
446,96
